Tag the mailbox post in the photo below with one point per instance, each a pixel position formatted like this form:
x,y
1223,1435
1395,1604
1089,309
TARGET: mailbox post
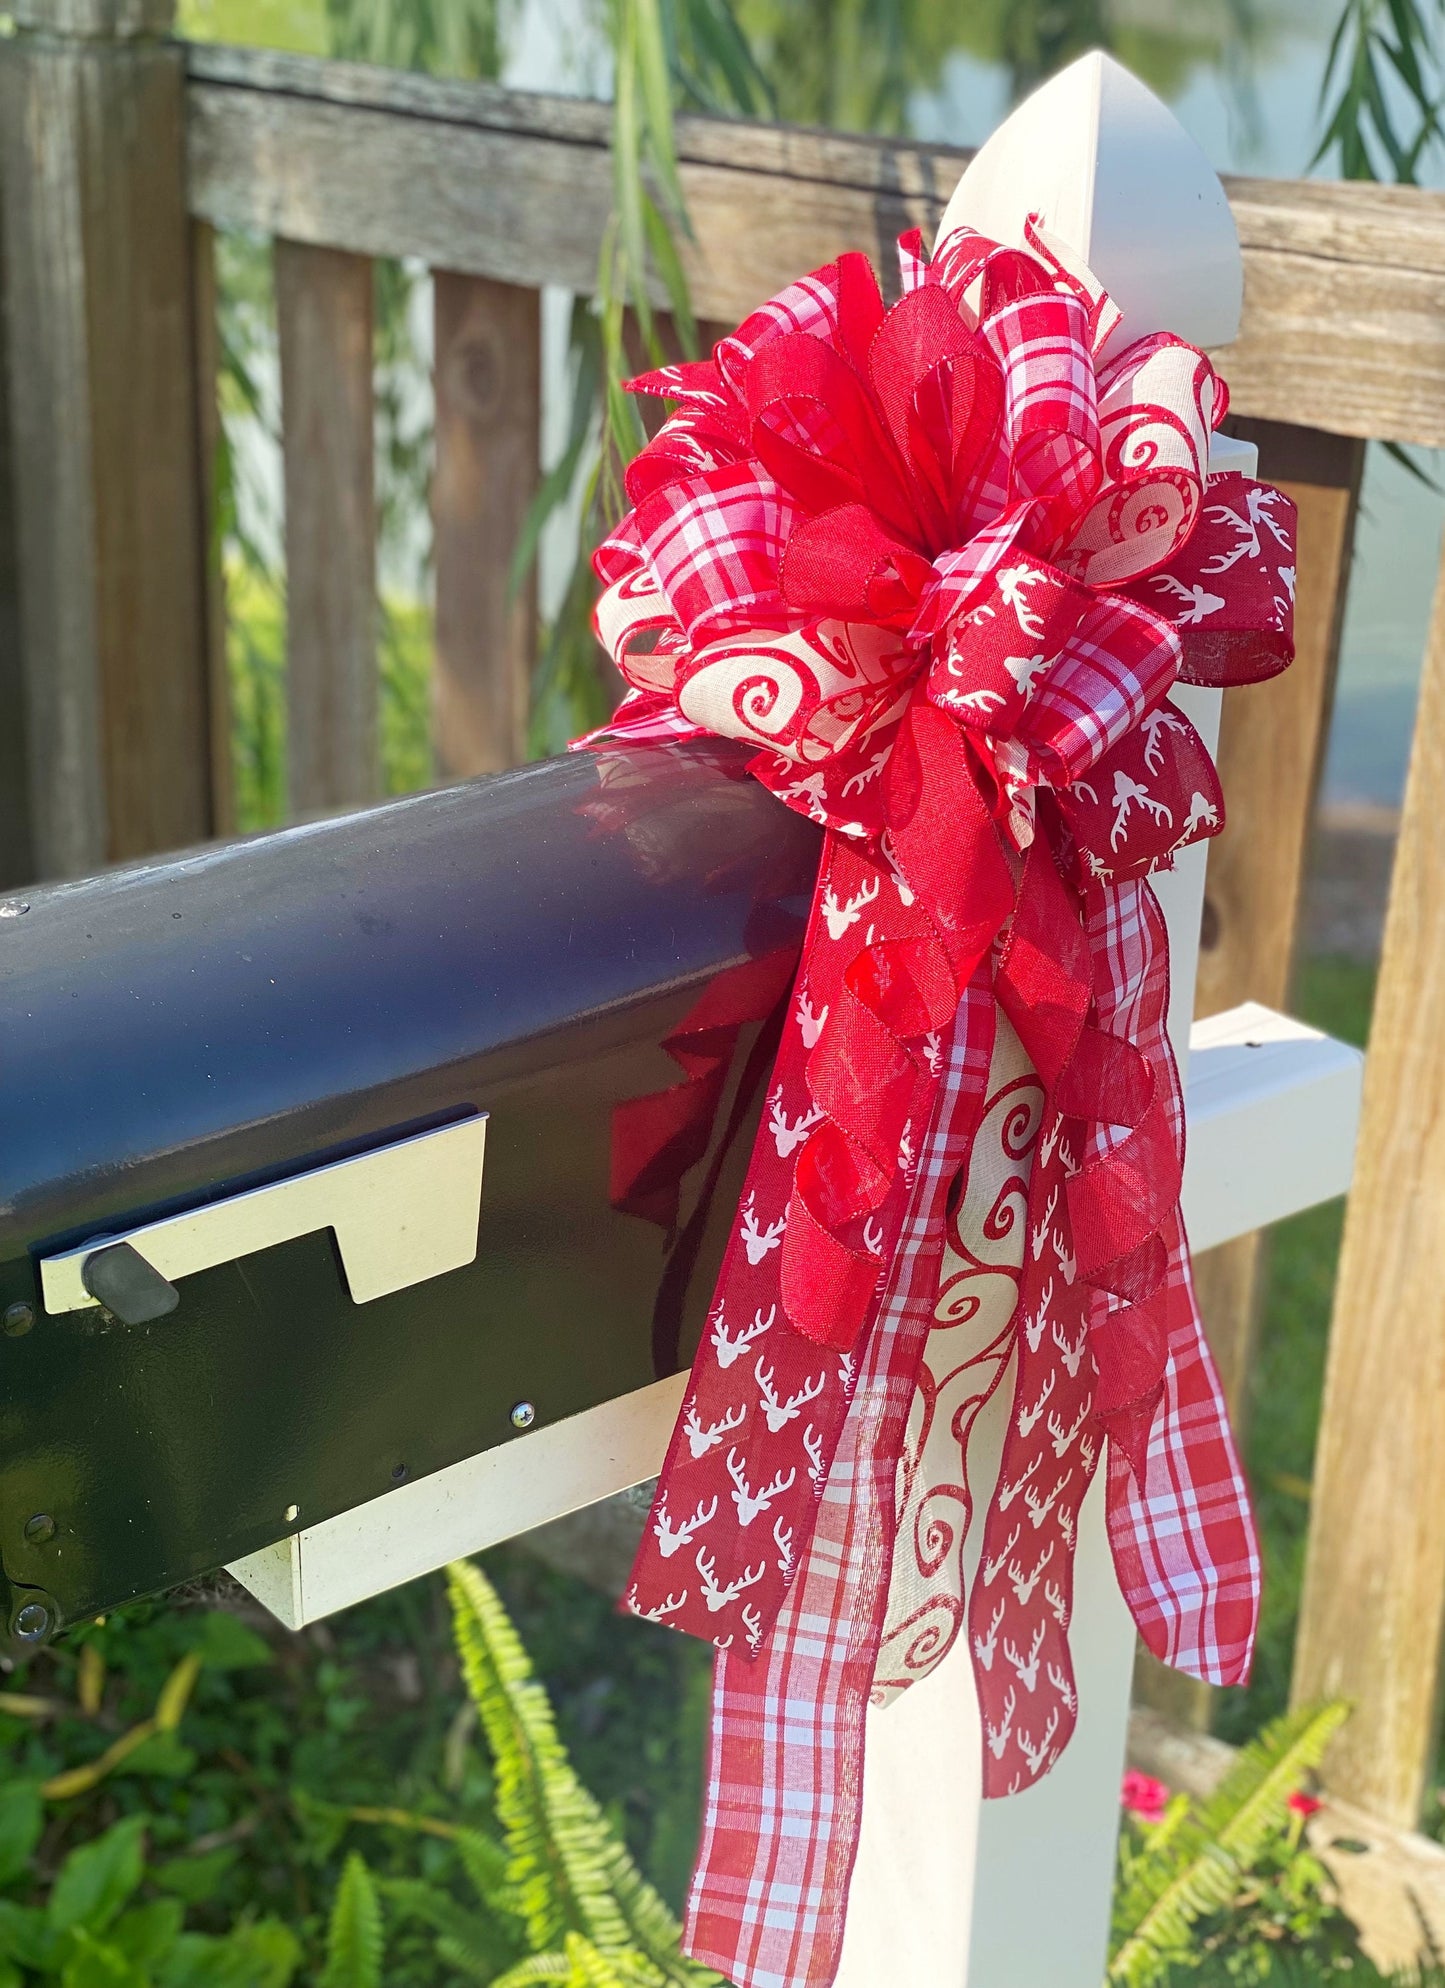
x,y
947,1887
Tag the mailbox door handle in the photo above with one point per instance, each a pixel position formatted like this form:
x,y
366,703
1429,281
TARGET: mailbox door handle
x,y
400,1214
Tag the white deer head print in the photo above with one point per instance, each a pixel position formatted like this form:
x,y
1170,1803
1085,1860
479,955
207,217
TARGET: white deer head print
x,y
757,1242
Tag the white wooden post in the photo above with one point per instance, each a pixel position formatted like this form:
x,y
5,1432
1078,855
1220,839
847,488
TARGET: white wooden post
x,y
948,1889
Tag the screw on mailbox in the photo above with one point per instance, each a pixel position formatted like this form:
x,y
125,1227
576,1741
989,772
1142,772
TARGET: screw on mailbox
x,y
524,1415
39,1529
33,1622
17,1320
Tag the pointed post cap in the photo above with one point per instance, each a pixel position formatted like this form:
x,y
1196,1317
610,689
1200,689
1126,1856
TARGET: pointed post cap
x,y
1117,178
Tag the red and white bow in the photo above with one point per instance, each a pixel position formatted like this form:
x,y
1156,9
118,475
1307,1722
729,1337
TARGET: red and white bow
x,y
942,564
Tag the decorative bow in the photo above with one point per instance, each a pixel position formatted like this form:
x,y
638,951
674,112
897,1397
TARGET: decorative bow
x,y
942,563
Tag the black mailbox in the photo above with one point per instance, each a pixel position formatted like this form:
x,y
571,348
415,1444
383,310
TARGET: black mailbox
x,y
502,961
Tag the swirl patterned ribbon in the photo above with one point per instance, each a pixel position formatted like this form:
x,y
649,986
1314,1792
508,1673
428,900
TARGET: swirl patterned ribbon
x,y
942,563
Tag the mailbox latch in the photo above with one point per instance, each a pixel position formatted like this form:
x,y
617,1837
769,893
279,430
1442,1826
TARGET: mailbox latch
x,y
400,1214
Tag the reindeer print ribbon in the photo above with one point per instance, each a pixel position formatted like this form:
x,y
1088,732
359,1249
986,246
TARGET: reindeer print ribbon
x,y
942,564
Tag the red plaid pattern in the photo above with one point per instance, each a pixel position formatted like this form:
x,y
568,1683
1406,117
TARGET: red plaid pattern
x,y
785,1769
1184,1542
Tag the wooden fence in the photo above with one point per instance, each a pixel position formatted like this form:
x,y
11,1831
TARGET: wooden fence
x,y
122,152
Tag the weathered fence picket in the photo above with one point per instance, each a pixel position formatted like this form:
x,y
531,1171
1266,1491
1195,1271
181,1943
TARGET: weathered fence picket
x,y
488,370
324,323
103,425
1270,755
1373,1611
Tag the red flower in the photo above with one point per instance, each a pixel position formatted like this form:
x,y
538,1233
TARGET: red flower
x,y
1304,1805
1143,1796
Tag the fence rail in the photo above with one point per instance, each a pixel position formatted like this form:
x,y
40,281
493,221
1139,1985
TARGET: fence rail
x,y
122,153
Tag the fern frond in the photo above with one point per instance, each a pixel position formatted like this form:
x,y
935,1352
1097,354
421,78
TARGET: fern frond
x,y
354,1937
581,1965
476,1945
567,1869
540,1967
1193,1865
1251,1799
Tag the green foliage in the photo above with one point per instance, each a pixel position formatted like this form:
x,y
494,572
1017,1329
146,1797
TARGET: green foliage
x,y
353,1939
1384,81
568,1873
1194,1863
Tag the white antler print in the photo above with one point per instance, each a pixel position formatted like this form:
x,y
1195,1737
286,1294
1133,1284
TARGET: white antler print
x,y
670,1537
1034,1755
905,894
1050,1140
998,1736
729,1349
1064,1686
1041,1227
663,1609
1008,1492
1012,582
1058,1606
1026,1668
751,1503
1039,1508
856,782
1023,670
752,1625
981,700
700,1440
1128,793
783,1540
984,1646
1068,1263
813,1447
1071,1351
810,1021
873,1237
1086,1455
717,1597
757,1242
1246,528
1202,813
1066,1528
1034,1322
933,1053
780,1413
1024,1584
1201,601
839,917
1158,722
1064,1438
991,1569
789,1133
1027,1417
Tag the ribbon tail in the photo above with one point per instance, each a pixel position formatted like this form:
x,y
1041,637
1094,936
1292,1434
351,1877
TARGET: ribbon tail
x,y
1182,1532
769,1899
1181,1528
